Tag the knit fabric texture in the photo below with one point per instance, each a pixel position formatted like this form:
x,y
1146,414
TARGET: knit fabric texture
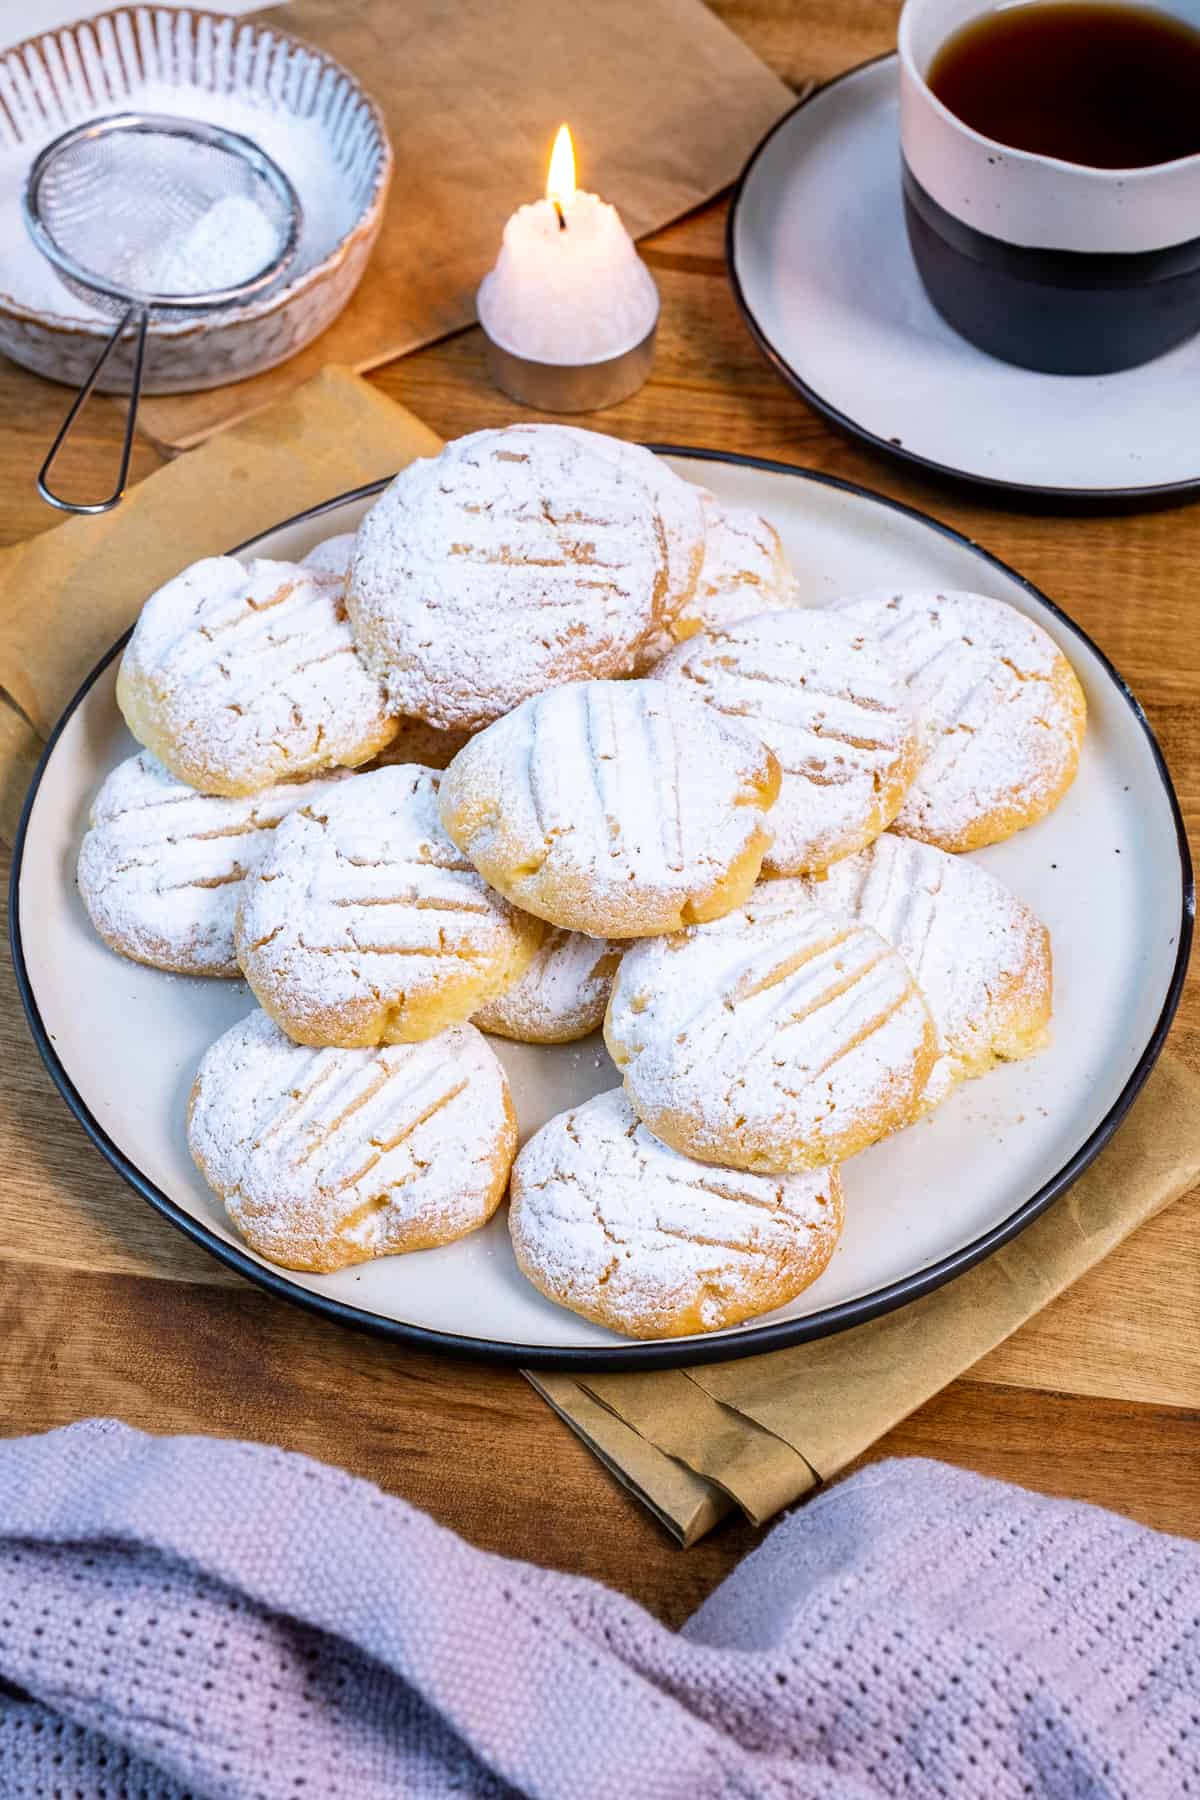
x,y
184,1617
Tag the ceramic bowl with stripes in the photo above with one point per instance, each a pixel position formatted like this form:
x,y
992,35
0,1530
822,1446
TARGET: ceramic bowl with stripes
x,y
303,108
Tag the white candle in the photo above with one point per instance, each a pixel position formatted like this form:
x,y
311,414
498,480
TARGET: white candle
x,y
568,287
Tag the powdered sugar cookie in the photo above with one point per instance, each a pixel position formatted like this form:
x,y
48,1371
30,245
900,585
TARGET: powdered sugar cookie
x,y
161,867
778,1038
239,676
818,691
980,956
363,924
562,994
515,560
999,705
330,1157
331,556
617,808
609,1222
745,570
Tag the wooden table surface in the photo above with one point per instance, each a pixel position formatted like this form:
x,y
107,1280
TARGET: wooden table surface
x,y
104,1308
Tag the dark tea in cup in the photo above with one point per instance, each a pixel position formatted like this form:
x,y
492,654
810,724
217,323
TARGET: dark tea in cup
x,y
1111,86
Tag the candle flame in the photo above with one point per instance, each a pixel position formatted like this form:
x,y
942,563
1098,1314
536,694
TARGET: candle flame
x,y
560,182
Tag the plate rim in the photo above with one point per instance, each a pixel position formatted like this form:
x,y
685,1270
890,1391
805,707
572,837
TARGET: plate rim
x,y
1152,494
746,1340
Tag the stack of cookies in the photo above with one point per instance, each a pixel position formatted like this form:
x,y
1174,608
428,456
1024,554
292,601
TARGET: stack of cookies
x,y
548,744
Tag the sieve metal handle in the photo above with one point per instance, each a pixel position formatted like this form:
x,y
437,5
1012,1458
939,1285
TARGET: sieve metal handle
x,y
135,388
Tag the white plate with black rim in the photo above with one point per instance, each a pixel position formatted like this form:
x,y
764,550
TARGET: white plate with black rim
x,y
821,269
1108,872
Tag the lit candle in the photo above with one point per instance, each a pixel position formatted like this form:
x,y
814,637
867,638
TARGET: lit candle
x,y
570,309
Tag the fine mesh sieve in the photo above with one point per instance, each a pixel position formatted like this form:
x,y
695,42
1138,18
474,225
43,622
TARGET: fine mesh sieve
x,y
137,214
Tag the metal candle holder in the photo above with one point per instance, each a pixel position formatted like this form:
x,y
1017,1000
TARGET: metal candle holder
x,y
571,387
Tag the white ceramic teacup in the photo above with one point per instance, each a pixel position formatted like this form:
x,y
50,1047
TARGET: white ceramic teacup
x,y
1042,262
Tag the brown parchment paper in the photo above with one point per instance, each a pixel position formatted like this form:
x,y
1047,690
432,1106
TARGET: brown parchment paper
x,y
734,1425
70,593
664,102
684,1502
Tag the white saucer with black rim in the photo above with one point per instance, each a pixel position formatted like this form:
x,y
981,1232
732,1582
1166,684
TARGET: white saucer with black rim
x,y
821,268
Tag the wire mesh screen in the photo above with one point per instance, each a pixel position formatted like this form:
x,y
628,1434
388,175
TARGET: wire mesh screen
x,y
153,210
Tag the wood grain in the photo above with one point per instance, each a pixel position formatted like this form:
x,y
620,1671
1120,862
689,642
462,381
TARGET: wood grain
x,y
105,1308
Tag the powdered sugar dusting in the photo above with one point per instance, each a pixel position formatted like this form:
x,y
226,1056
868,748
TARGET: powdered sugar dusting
x,y
680,507
364,923
332,555
232,241
240,676
162,867
607,1220
562,994
780,1037
514,560
615,808
980,956
745,569
1000,708
329,1157
415,741
818,691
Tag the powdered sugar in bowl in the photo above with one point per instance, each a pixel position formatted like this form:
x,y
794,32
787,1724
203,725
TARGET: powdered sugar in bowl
x,y
304,110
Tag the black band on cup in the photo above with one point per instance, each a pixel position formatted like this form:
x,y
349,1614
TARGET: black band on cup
x,y
1066,312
